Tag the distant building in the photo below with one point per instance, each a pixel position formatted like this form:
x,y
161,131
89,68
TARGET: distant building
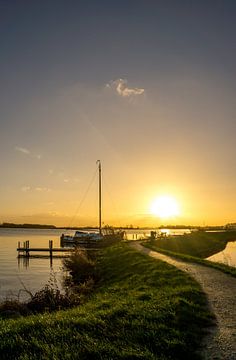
x,y
231,226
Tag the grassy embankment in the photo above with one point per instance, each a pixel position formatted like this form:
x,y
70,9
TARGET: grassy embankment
x,y
141,309
195,247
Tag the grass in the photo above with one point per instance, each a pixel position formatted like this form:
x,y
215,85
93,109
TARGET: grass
x,y
142,309
195,247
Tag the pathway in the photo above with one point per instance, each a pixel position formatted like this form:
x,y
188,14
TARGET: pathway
x,y
221,292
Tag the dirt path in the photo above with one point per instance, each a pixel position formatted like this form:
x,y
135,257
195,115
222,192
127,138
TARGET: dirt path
x,y
221,292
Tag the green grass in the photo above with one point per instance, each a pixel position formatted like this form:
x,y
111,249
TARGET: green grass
x,y
142,309
195,247
200,244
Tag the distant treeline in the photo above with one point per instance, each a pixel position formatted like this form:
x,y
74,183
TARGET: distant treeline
x,y
28,226
231,226
44,226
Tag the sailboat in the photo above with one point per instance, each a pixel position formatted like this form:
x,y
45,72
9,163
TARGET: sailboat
x,y
87,237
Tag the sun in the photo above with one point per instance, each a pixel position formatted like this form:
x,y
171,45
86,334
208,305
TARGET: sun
x,y
165,207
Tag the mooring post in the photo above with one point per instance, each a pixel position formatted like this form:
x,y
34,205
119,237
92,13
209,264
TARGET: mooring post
x,y
27,248
50,247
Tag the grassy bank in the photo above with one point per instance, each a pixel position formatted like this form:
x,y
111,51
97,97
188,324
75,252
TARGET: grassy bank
x,y
141,309
195,247
200,244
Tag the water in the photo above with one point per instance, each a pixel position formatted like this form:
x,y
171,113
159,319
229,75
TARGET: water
x,y
227,256
136,234
14,275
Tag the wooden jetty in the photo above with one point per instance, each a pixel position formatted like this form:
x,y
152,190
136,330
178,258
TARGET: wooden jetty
x,y
26,251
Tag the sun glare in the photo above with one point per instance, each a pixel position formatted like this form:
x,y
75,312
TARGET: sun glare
x,y
165,207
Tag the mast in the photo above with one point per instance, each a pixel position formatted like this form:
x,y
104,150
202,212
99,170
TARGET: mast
x,y
100,195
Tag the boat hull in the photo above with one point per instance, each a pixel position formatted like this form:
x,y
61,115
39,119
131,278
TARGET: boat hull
x,y
83,239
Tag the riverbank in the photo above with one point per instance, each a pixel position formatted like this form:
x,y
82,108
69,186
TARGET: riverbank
x,y
199,244
195,247
141,309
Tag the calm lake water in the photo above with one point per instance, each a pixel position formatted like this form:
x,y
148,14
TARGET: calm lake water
x,y
137,234
227,256
14,274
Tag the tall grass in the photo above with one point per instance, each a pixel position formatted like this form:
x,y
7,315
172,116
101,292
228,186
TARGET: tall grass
x,y
49,298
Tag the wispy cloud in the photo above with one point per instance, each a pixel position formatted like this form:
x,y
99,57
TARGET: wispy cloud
x,y
42,189
27,152
122,89
38,189
22,150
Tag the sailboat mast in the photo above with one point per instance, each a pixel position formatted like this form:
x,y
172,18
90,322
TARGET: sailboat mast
x,y
100,195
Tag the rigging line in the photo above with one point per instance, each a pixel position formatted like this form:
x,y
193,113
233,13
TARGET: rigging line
x,y
83,198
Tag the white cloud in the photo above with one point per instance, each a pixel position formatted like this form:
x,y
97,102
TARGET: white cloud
x,y
22,150
38,189
42,189
122,89
27,152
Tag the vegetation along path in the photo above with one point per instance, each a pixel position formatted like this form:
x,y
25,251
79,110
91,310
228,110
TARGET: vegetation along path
x,y
221,291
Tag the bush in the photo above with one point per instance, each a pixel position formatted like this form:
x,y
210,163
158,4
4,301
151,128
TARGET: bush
x,y
49,299
81,267
13,309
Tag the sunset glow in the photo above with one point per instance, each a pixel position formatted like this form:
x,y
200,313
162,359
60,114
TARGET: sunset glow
x,y
155,101
165,207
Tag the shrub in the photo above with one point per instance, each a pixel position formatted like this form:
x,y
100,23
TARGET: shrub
x,y
49,298
81,267
13,309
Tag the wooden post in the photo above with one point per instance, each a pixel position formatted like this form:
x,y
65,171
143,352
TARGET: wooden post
x,y
50,247
100,195
27,248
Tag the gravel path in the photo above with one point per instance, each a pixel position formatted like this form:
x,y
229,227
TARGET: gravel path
x,y
221,292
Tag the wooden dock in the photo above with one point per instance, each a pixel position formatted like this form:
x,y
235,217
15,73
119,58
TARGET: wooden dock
x,y
26,251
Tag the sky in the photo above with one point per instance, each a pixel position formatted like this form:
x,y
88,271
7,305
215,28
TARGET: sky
x,y
147,87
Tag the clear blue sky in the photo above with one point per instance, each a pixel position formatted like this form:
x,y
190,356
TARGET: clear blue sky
x,y
146,86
